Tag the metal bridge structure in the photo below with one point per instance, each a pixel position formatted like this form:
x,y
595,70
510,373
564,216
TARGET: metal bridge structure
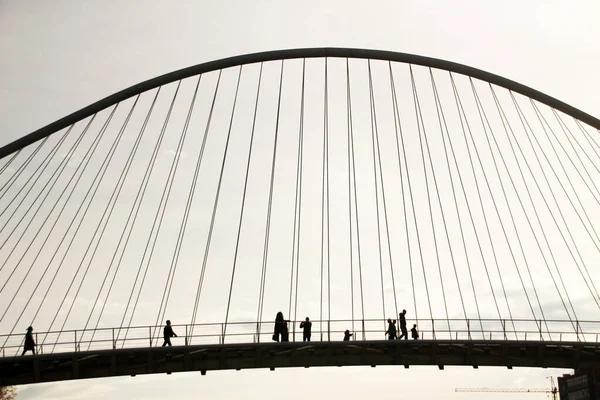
x,y
339,185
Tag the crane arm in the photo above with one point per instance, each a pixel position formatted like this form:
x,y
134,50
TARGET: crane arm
x,y
503,390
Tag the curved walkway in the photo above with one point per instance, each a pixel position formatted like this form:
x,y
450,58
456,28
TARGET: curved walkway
x,y
203,358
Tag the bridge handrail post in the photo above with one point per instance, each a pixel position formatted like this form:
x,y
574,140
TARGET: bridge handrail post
x,y
577,329
433,328
364,336
36,342
468,329
113,339
328,330
293,331
257,332
75,332
150,335
540,328
222,333
186,334
504,328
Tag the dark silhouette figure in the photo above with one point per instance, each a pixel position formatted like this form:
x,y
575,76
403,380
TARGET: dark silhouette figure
x,y
391,332
347,335
279,326
403,325
307,326
285,333
414,333
29,342
168,334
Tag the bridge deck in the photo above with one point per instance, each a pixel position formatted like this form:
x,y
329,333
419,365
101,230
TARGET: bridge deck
x,y
121,362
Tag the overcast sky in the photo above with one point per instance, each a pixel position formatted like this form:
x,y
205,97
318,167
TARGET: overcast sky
x,y
57,57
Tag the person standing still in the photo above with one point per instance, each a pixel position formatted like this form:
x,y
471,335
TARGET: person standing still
x,y
414,332
391,332
403,325
278,331
285,333
306,326
168,334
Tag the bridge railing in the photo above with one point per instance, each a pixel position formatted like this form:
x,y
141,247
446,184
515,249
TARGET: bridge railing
x,y
326,330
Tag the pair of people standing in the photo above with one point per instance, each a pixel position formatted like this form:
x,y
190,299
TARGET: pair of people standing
x,y
414,333
282,330
391,331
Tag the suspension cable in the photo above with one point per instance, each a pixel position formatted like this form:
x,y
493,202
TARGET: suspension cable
x,y
400,134
110,208
373,121
440,117
42,167
98,178
351,130
23,186
423,138
57,173
593,237
105,162
147,176
526,125
296,244
385,213
483,118
507,126
8,184
198,165
84,163
326,135
237,87
412,202
270,201
93,236
5,166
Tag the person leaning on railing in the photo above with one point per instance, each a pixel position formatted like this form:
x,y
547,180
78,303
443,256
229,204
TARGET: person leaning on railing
x,y
347,335
306,326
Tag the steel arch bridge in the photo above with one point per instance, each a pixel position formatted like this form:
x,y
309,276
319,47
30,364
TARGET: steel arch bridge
x,y
341,184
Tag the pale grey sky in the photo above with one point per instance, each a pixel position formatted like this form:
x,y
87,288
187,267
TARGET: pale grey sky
x,y
60,56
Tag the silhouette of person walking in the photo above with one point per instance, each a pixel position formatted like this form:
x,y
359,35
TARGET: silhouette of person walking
x,y
347,335
414,333
307,326
391,332
279,327
403,325
168,334
29,342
